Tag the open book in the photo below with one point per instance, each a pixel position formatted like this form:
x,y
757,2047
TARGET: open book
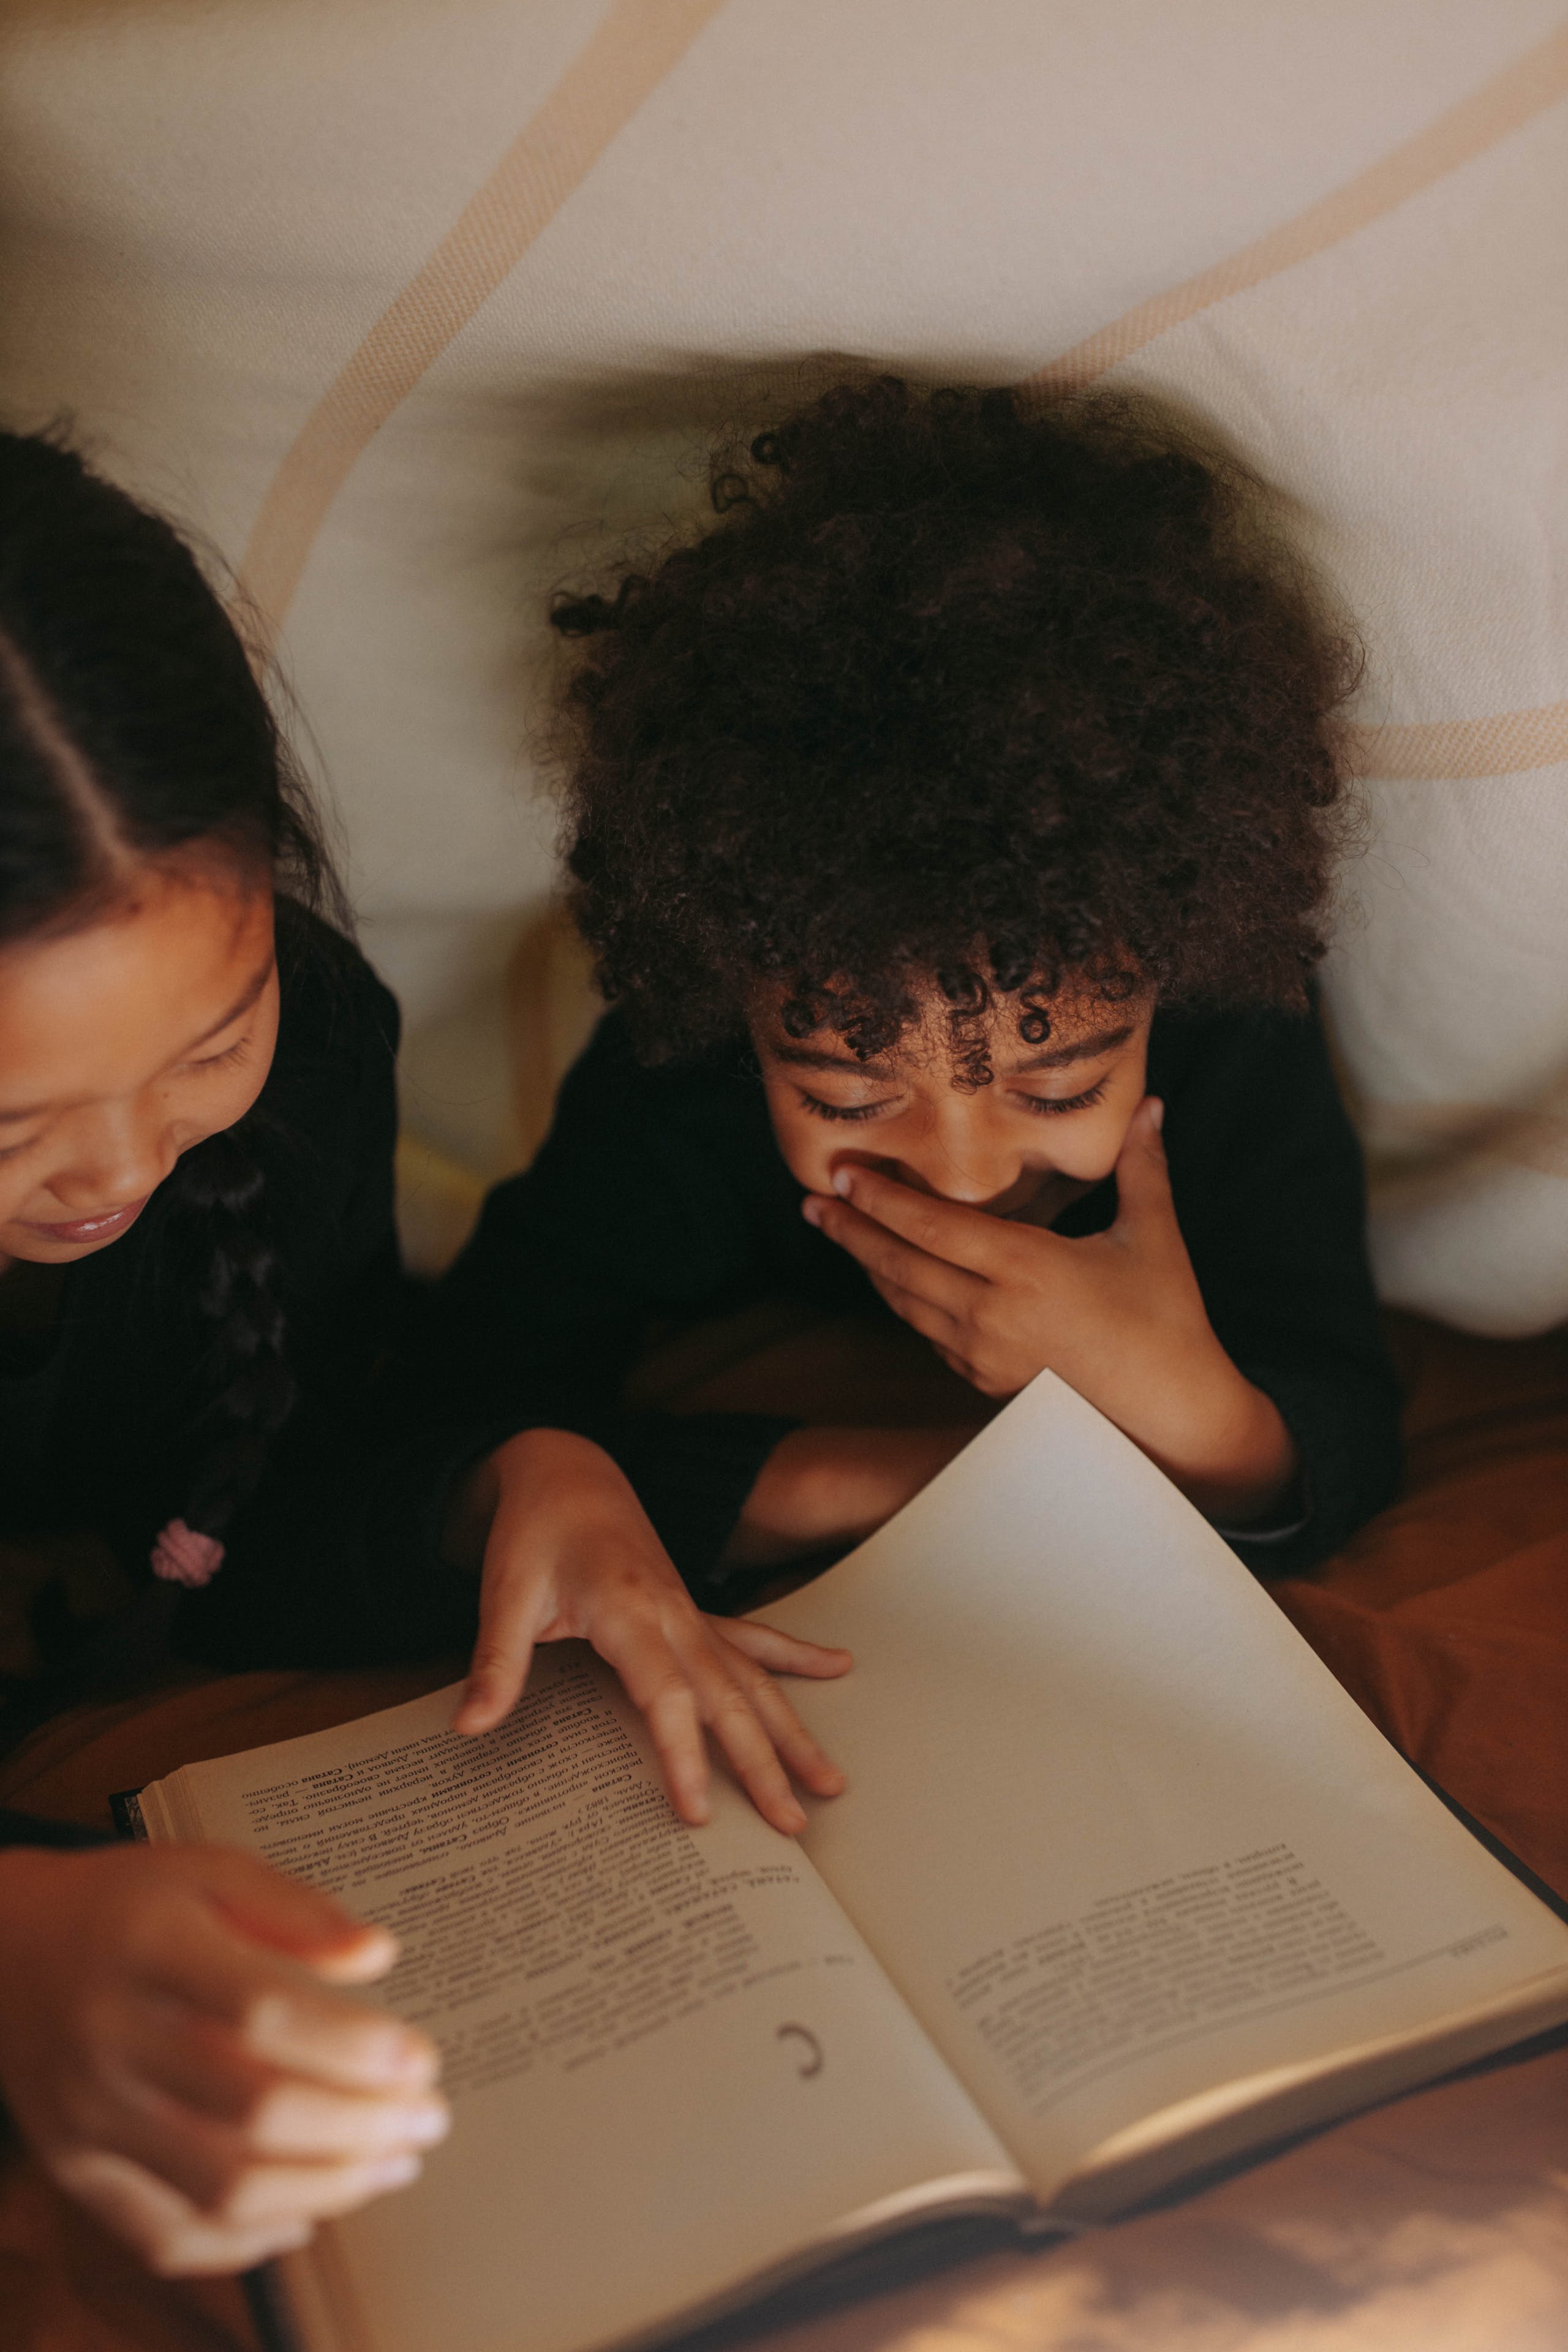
x,y
1123,1884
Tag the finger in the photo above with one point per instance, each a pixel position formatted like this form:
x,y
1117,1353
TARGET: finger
x,y
781,1653
949,1230
932,1323
887,1258
172,2235
635,1643
802,1757
304,2121
334,2042
514,1607
265,2195
670,1710
497,1672
293,1918
744,1740
193,2063
283,2018
1142,1178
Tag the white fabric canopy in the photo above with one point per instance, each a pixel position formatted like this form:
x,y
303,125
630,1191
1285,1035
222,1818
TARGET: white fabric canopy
x,y
410,306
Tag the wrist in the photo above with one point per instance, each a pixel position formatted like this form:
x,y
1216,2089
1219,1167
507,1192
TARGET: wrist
x,y
832,1486
532,1466
1228,1446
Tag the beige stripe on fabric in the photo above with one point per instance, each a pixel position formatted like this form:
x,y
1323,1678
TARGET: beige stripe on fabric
x,y
1511,99
1449,750
638,43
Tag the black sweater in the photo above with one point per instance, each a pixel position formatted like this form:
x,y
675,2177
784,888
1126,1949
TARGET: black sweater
x,y
661,1193
333,1559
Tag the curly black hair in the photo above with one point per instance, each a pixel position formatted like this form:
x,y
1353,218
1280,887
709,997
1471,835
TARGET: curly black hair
x,y
1010,698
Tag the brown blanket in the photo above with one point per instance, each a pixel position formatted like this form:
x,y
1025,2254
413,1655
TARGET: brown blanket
x,y
1439,2221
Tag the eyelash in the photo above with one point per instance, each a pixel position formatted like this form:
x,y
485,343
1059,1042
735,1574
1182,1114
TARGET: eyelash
x,y
1045,1106
223,1061
1042,1107
820,1110
226,1060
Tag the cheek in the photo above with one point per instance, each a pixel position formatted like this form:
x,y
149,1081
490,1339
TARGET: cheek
x,y
197,1104
1097,1145
1088,1146
805,1144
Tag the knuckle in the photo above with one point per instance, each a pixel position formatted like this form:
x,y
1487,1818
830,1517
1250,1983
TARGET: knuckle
x,y
731,1704
984,1317
491,1655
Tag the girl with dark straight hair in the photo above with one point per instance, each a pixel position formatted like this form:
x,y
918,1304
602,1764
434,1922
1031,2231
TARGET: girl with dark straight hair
x,y
198,1275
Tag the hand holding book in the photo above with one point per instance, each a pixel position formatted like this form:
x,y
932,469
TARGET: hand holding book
x,y
568,1553
1122,1886
172,2048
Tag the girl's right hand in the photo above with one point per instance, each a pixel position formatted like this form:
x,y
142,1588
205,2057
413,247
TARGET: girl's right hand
x,y
568,1554
171,2047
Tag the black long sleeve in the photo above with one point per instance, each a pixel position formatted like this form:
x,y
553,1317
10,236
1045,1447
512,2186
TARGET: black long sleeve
x,y
660,1195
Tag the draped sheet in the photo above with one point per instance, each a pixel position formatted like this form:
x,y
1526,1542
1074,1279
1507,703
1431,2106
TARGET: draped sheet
x,y
411,307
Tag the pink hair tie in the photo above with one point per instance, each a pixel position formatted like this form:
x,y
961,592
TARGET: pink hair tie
x,y
180,1556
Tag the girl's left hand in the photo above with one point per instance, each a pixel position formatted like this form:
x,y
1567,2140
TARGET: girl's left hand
x,y
569,1553
1118,1315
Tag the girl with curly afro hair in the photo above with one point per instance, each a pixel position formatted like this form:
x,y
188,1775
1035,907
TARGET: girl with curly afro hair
x,y
953,825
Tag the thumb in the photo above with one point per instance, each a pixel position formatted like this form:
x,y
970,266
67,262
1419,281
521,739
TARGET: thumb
x,y
511,1608
290,1917
1143,1179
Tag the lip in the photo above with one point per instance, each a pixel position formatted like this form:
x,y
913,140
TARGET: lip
x,y
100,1228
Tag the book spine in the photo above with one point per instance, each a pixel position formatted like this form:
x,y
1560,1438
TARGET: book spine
x,y
125,1810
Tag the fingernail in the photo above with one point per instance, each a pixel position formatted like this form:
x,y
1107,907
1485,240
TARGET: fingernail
x,y
397,2060
396,2172
426,2125
811,1210
1157,1114
793,1821
842,1180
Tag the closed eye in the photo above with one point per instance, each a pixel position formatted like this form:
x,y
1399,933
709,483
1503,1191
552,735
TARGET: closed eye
x,y
820,1110
224,1061
1052,1106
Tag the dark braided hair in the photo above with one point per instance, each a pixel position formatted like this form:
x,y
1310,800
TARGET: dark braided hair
x,y
963,691
132,727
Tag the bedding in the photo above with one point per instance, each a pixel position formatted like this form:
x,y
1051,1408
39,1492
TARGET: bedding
x,y
410,307
1439,2223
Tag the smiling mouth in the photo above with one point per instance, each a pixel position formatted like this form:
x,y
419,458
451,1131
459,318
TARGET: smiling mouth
x,y
95,1228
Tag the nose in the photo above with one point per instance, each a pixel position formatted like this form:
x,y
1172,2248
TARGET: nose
x,y
960,1162
115,1158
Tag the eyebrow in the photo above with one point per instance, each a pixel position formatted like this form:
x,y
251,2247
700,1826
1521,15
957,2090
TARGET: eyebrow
x,y
1055,1057
242,1004
1081,1049
805,1057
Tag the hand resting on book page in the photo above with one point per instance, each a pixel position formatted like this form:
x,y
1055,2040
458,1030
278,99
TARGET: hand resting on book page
x,y
170,2046
568,1553
1116,1315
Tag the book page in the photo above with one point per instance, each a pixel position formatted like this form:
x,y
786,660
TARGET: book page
x,y
673,2062
1114,1830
